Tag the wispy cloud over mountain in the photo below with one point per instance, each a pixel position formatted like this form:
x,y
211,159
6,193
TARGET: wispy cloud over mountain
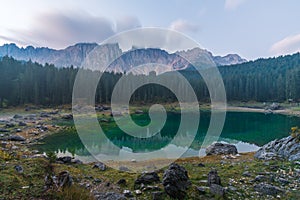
x,y
184,26
62,29
290,44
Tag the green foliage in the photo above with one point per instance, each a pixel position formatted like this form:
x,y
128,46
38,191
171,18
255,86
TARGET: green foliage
x,y
4,155
295,133
273,79
51,156
74,192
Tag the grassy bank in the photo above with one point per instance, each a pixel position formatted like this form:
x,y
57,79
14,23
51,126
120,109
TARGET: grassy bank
x,y
30,183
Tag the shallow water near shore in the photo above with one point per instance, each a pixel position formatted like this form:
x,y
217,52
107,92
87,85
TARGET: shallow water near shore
x,y
247,130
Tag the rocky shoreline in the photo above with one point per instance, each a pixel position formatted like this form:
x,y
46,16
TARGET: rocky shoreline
x,y
273,172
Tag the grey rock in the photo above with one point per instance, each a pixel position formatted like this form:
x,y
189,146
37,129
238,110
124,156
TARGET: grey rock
x,y
65,179
127,193
65,159
2,130
17,116
286,148
268,189
283,181
109,196
213,178
158,196
246,174
232,189
67,117
221,149
9,125
201,165
217,190
201,190
22,124
139,112
122,181
147,178
44,115
124,169
77,161
100,165
176,181
19,169
97,180
14,138
260,178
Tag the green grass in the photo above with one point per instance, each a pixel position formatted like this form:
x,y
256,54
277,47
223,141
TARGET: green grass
x,y
11,182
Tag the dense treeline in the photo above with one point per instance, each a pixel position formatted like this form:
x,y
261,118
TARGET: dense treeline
x,y
273,79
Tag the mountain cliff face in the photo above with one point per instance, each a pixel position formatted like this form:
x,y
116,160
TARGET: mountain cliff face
x,y
230,59
75,55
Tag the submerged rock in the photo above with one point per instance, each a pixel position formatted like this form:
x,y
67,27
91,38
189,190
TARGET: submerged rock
x,y
221,149
286,148
176,181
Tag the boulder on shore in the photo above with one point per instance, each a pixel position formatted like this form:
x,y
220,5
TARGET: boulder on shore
x,y
147,178
221,149
176,181
286,148
213,178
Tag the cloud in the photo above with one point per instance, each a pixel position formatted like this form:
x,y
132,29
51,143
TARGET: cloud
x,y
233,4
58,30
288,45
127,23
184,26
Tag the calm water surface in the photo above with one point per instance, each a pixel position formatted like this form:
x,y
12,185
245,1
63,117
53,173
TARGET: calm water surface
x,y
247,131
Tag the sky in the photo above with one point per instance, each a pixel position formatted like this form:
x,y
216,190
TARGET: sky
x,y
250,28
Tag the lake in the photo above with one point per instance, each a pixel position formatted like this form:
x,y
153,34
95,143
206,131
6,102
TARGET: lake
x,y
247,130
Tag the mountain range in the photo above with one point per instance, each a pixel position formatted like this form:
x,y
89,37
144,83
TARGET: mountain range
x,y
75,55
